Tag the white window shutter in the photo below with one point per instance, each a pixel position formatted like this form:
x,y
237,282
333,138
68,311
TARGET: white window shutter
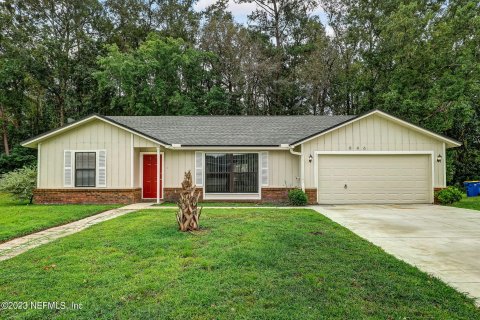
x,y
102,168
264,163
199,169
68,168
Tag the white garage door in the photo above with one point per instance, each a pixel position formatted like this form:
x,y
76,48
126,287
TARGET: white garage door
x,y
344,179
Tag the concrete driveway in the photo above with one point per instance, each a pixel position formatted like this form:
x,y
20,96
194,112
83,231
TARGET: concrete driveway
x,y
442,241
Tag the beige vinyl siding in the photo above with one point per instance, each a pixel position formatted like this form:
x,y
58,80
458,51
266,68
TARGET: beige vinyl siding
x,y
139,142
283,169
94,135
176,163
373,133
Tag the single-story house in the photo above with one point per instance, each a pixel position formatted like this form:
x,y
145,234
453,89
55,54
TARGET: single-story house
x,y
371,158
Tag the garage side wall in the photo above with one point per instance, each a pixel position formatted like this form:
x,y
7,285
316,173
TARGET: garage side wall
x,y
374,133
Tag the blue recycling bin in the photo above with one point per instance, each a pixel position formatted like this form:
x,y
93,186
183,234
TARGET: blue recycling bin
x,y
472,188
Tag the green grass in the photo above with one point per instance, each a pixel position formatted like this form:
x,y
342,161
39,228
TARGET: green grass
x,y
244,264
18,219
226,204
468,203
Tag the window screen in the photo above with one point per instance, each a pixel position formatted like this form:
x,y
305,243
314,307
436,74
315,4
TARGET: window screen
x,y
231,173
85,168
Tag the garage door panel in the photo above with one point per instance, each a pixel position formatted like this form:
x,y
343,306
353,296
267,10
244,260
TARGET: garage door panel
x,y
374,179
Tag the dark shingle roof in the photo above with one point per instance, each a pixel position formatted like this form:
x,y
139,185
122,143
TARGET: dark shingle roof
x,y
229,130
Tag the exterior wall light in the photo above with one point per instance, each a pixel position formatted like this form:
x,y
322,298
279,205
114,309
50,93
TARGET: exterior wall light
x,y
439,158
310,159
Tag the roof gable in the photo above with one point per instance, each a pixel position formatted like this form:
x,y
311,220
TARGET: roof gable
x,y
448,141
33,142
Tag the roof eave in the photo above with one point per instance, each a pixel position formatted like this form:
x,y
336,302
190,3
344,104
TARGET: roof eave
x,y
231,147
34,141
449,142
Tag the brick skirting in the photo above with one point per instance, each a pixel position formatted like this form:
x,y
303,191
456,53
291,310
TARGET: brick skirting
x,y
84,196
127,196
275,194
268,195
311,195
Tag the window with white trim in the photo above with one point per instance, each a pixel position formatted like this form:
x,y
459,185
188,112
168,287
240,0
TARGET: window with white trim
x,y
231,173
85,169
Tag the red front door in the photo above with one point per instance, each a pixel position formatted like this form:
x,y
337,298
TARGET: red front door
x,y
150,176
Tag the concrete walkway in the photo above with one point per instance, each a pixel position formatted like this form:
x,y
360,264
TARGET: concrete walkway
x,y
226,207
17,246
442,241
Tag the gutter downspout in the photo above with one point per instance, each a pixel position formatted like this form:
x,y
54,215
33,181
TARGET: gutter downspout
x,y
302,167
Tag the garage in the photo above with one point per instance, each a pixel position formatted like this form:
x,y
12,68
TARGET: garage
x,y
352,178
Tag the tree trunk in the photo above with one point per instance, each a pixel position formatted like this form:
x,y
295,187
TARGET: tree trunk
x,y
276,17
61,102
3,118
188,214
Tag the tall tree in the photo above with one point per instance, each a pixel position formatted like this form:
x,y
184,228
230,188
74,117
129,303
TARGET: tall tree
x,y
178,19
162,77
323,57
280,20
13,74
130,21
63,36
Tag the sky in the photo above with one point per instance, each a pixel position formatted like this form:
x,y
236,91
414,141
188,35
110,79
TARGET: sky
x,y
241,11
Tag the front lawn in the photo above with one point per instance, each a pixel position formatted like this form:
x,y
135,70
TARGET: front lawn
x,y
244,264
18,219
468,203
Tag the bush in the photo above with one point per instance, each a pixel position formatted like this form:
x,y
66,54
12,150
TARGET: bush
x,y
449,195
297,197
19,157
20,183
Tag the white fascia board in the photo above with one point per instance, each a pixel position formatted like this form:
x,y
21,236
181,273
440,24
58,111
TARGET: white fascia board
x,y
449,142
33,143
203,148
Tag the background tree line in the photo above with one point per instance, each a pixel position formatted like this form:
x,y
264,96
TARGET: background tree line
x,y
61,59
